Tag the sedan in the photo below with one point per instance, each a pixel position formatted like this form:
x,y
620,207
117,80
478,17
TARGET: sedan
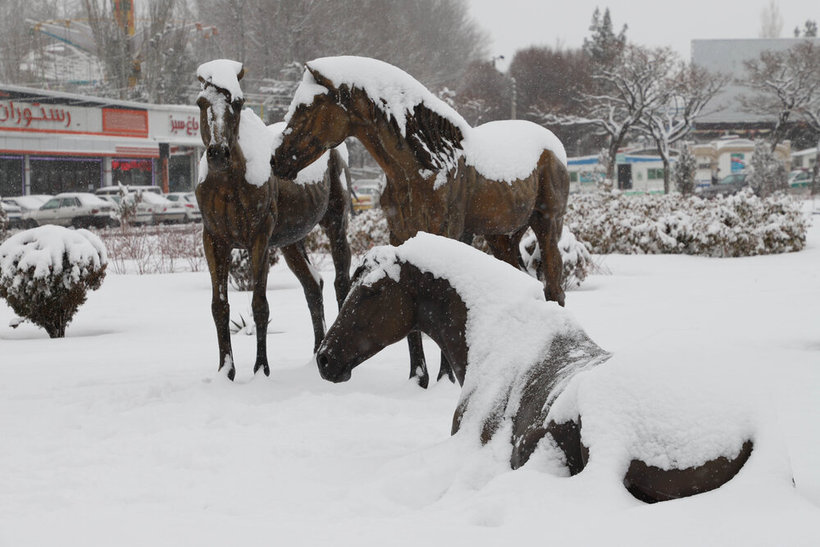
x,y
77,209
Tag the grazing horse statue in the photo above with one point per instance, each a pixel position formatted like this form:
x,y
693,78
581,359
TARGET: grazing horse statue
x,y
443,176
513,353
244,206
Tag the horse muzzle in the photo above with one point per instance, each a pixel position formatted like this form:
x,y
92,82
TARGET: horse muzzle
x,y
219,157
330,371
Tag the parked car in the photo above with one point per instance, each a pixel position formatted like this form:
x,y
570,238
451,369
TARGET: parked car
x,y
366,194
188,201
78,209
13,213
728,185
143,215
28,203
115,190
800,178
165,211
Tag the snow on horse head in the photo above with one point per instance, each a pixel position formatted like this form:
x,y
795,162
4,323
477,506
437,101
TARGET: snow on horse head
x,y
513,353
245,206
443,176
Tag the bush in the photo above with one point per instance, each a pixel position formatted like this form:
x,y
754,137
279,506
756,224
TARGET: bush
x,y
684,172
45,273
767,173
240,274
575,257
4,224
739,225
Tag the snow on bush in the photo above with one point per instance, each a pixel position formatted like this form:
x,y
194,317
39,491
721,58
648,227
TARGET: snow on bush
x,y
240,274
45,273
684,171
738,225
4,224
767,173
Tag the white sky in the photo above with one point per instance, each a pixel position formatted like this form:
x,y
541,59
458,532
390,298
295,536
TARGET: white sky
x,y
514,24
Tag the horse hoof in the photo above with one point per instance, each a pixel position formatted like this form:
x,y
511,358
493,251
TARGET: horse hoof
x,y
230,374
264,368
422,380
448,373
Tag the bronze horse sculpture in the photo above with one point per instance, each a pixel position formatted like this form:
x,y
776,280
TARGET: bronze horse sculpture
x,y
511,381
443,176
245,206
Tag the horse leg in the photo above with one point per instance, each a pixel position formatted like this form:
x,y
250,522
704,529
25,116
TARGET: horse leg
x,y
335,227
260,255
218,257
418,364
551,270
311,281
504,248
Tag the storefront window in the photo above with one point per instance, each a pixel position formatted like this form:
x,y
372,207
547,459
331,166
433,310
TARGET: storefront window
x,y
179,174
132,172
11,176
55,175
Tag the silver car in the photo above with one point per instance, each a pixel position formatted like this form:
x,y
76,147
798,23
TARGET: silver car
x,y
77,209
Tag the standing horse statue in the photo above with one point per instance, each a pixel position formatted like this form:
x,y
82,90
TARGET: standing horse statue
x,y
245,206
514,355
443,176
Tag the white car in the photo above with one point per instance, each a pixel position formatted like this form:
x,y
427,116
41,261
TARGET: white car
x,y
188,201
143,215
14,214
78,209
165,211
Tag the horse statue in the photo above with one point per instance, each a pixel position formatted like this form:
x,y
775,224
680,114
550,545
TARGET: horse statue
x,y
513,353
443,176
245,206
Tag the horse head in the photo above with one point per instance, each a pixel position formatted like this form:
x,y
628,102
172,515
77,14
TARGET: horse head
x,y
318,120
379,310
220,107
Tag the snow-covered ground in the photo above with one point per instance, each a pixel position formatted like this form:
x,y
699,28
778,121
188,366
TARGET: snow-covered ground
x,y
123,434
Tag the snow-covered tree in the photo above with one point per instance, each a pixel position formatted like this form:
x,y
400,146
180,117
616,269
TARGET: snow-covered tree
x,y
771,21
785,82
767,173
622,95
685,169
684,92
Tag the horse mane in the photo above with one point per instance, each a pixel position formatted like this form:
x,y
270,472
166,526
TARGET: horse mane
x,y
434,139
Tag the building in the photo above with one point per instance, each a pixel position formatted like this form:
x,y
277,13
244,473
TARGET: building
x,y
53,142
730,155
725,113
638,171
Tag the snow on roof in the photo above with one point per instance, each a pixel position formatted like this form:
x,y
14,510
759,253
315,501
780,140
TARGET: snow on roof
x,y
315,172
223,74
43,249
505,150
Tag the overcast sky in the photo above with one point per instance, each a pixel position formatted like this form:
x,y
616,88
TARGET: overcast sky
x,y
514,24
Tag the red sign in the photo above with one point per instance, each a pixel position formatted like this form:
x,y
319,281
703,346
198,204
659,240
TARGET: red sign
x,y
189,125
24,114
132,123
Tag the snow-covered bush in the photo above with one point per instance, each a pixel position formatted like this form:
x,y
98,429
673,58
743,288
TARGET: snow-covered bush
x,y
127,206
575,257
738,225
364,231
767,173
684,173
240,274
45,273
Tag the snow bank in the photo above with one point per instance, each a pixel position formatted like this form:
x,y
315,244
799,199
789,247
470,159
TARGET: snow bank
x,y
505,150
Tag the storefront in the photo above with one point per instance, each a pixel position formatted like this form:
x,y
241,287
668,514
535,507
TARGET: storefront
x,y
54,142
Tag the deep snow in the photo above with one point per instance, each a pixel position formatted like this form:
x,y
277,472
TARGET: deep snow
x,y
123,434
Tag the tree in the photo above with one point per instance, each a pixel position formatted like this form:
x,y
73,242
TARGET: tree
x,y
685,169
604,47
771,22
767,173
683,93
17,40
785,82
484,94
809,29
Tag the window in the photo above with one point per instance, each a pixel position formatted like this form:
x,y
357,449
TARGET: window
x,y
52,204
573,176
654,174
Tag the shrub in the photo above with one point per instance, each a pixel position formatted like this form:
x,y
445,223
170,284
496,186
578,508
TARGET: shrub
x,y
767,173
45,273
684,172
575,257
240,274
739,225
4,224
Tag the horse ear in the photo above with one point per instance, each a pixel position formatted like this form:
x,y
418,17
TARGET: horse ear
x,y
241,73
320,79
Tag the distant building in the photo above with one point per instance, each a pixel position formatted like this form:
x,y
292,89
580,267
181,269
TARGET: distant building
x,y
53,142
637,171
724,112
730,155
